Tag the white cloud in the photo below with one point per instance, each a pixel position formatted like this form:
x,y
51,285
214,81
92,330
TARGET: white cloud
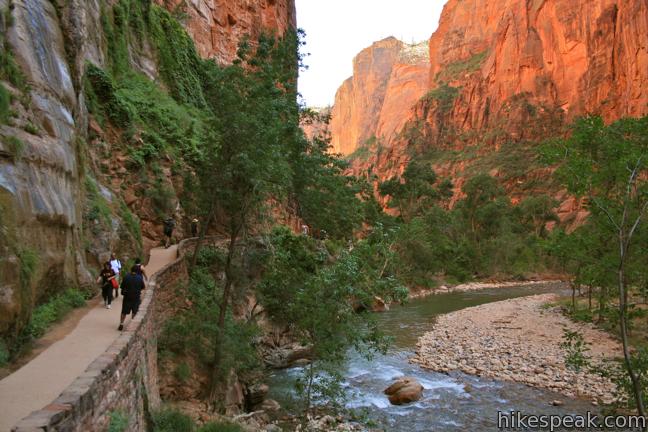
x,y
336,30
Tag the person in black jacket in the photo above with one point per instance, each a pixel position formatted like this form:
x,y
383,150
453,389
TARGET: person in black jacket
x,y
106,278
131,287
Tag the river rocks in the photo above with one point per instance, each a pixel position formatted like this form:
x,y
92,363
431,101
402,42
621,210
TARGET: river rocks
x,y
256,394
285,356
270,405
516,340
404,390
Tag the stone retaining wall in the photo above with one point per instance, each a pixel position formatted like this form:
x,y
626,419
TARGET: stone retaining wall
x,y
124,378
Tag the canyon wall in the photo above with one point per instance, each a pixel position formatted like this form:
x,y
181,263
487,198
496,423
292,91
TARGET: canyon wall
x,y
503,75
217,26
61,173
388,78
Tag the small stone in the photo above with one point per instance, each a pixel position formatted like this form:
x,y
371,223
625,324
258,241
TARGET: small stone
x,y
557,403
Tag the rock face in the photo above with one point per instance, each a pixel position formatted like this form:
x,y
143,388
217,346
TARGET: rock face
x,y
404,390
49,150
217,26
388,77
501,73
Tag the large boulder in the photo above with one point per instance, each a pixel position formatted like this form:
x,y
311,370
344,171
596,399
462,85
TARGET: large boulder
x,y
404,390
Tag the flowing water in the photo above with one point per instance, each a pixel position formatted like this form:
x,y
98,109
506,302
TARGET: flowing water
x,y
455,402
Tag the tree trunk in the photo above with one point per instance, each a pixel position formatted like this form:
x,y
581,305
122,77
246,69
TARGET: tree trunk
x,y
201,236
623,309
218,348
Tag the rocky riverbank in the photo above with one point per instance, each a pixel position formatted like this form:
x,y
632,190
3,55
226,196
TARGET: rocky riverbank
x,y
517,340
475,286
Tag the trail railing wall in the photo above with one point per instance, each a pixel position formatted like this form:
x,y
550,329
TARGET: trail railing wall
x,y
123,380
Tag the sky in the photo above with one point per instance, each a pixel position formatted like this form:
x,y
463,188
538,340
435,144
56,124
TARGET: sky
x,y
337,30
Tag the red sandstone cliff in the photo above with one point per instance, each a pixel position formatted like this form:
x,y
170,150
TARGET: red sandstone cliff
x,y
506,73
388,78
217,26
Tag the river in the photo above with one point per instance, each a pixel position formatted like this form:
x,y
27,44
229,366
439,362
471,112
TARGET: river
x,y
454,402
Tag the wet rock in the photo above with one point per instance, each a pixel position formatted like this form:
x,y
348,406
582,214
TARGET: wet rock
x,y
404,390
270,405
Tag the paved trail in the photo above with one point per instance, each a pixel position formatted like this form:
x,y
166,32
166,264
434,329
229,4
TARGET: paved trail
x,y
40,381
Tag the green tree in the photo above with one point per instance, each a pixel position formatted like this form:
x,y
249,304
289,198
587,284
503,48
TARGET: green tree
x,y
608,165
254,104
317,295
414,191
535,211
326,198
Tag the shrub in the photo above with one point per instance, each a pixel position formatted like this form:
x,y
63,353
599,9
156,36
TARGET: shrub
x,y
54,310
118,422
28,263
101,93
172,420
32,129
15,146
220,427
183,372
4,353
5,103
97,207
444,95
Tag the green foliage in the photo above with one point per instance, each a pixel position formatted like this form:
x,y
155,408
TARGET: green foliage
x,y
180,65
415,191
329,201
9,70
194,332
4,353
183,372
172,420
118,422
220,427
132,222
28,259
15,146
453,71
608,165
97,207
161,197
444,95
54,310
5,105
32,129
575,348
315,293
101,93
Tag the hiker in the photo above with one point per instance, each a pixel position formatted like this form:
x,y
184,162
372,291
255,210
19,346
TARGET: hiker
x,y
131,287
107,279
194,227
169,224
116,266
304,229
140,268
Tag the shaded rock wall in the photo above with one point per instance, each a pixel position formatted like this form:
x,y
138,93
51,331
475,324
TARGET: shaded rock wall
x,y
46,240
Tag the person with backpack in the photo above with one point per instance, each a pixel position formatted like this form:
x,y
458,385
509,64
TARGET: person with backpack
x,y
107,279
131,287
169,225
140,268
116,266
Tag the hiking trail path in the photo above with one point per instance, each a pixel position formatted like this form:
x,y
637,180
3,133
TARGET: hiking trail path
x,y
44,378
